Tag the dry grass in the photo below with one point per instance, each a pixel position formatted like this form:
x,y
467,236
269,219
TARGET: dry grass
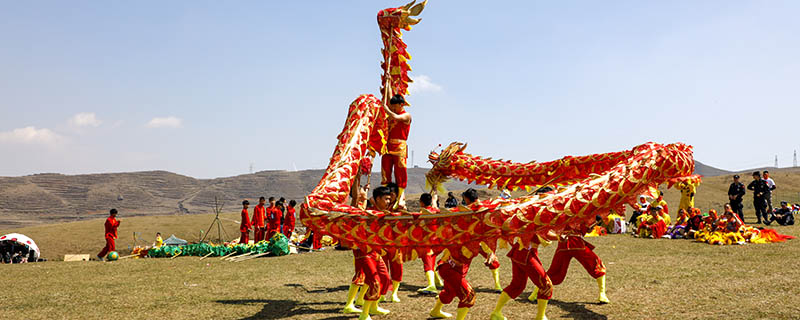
x,y
648,279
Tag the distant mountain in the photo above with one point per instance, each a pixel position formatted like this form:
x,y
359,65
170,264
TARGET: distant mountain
x,y
48,198
708,171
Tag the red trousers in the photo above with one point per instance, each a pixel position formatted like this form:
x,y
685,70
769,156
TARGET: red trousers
x,y
375,275
395,267
456,285
397,164
245,237
428,262
317,241
532,268
590,261
258,234
110,246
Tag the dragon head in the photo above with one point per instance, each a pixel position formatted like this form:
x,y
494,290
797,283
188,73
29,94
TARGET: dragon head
x,y
402,17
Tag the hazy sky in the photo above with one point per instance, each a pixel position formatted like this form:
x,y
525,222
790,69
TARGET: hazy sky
x,y
207,88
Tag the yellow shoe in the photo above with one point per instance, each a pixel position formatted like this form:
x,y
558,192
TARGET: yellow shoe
x,y
395,288
601,285
497,314
439,281
376,310
365,312
431,288
350,309
496,277
461,313
534,295
360,301
437,312
540,308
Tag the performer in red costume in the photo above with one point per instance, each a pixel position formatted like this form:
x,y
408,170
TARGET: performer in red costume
x,y
245,225
397,147
289,220
111,226
370,266
429,259
259,212
470,197
273,215
572,245
525,264
453,268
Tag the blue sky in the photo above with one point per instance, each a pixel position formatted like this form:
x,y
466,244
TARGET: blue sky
x,y
205,88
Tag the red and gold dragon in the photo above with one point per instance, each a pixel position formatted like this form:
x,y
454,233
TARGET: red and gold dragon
x,y
585,186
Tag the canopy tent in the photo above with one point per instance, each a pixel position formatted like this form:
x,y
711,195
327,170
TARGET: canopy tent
x,y
13,243
175,241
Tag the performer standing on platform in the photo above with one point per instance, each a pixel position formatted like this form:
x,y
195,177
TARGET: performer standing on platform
x,y
397,148
572,245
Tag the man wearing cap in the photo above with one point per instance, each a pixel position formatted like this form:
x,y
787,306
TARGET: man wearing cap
x,y
783,215
735,193
111,226
760,192
397,148
244,226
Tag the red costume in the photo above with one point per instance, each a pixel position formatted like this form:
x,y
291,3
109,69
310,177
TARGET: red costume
x,y
273,222
525,264
397,149
111,226
573,246
370,270
288,223
429,260
395,264
454,275
259,212
244,228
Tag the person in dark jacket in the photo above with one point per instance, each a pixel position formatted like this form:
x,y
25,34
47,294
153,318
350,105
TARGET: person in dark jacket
x,y
735,193
783,215
760,193
451,201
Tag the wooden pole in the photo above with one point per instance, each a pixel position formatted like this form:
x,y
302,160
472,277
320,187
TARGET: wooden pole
x,y
206,256
252,257
228,255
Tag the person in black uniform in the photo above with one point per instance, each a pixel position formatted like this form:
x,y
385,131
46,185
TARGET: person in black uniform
x,y
760,193
735,193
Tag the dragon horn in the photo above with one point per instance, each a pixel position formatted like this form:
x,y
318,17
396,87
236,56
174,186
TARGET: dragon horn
x,y
417,9
408,6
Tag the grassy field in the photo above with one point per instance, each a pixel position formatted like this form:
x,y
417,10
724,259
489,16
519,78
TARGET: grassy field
x,y
647,279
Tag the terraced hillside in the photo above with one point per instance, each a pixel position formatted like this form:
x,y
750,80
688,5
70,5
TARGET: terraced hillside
x,y
51,198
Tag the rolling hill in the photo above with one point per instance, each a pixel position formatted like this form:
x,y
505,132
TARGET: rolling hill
x,y
52,198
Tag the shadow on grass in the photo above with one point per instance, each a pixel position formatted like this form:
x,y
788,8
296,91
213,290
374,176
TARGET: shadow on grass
x,y
320,290
287,309
577,310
